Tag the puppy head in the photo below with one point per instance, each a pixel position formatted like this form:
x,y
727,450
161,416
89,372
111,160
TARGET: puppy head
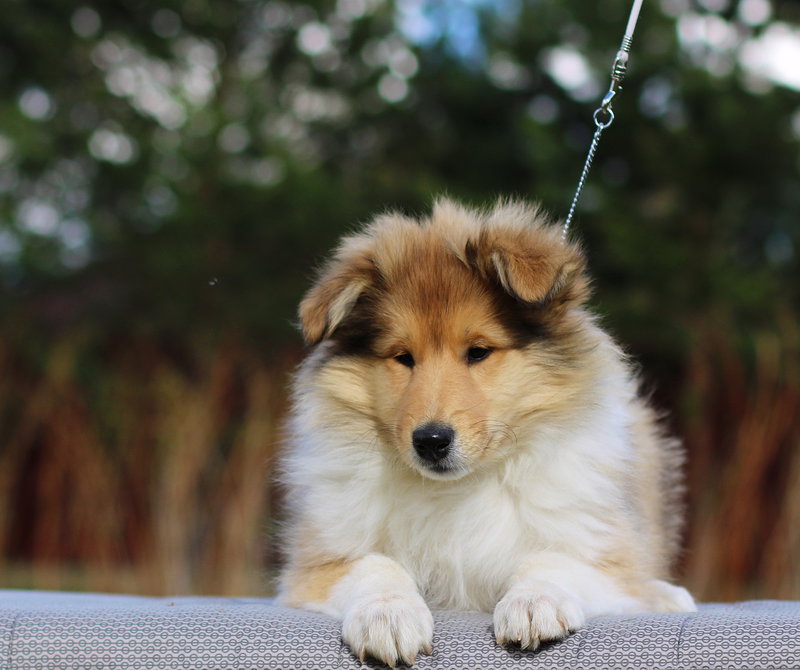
x,y
451,332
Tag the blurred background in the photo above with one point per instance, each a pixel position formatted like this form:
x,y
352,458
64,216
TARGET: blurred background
x,y
172,172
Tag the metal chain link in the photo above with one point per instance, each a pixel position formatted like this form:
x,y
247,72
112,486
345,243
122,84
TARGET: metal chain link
x,y
604,115
586,166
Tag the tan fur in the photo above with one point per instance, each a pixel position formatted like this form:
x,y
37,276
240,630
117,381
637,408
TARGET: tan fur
x,y
313,584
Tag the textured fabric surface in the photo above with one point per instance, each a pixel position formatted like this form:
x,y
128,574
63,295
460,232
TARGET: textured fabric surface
x,y
41,630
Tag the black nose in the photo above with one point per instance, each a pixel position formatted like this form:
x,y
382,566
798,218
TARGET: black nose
x,y
432,441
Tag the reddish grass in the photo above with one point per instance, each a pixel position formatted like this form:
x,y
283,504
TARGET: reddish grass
x,y
153,472
742,429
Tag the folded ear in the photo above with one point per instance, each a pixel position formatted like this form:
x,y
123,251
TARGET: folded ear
x,y
336,291
534,266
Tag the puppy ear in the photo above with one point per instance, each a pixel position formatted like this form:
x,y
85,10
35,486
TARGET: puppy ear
x,y
334,294
534,266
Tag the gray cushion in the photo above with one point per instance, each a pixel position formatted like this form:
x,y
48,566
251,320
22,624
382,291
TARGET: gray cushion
x,y
72,631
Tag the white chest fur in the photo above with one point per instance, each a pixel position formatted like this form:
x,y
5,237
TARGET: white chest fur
x,y
463,540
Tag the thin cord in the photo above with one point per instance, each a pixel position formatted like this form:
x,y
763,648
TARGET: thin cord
x,y
633,18
604,115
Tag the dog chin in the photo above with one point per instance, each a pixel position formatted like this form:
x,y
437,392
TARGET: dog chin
x,y
442,472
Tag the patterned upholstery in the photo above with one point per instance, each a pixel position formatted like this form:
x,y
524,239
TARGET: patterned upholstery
x,y
76,631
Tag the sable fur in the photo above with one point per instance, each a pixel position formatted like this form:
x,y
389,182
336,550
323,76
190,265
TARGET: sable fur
x,y
562,501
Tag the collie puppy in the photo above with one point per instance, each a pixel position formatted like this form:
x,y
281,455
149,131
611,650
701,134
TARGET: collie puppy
x,y
465,436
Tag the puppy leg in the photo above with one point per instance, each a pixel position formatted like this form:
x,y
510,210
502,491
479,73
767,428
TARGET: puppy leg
x,y
382,613
552,595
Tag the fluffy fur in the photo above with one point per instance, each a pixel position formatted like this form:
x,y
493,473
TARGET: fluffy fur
x,y
558,499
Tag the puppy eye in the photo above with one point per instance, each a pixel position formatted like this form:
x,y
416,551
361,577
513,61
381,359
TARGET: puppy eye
x,y
475,354
405,359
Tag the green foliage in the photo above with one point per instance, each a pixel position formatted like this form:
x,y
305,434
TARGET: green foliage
x,y
174,167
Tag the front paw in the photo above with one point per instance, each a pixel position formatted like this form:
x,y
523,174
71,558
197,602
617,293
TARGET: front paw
x,y
391,627
536,612
666,597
